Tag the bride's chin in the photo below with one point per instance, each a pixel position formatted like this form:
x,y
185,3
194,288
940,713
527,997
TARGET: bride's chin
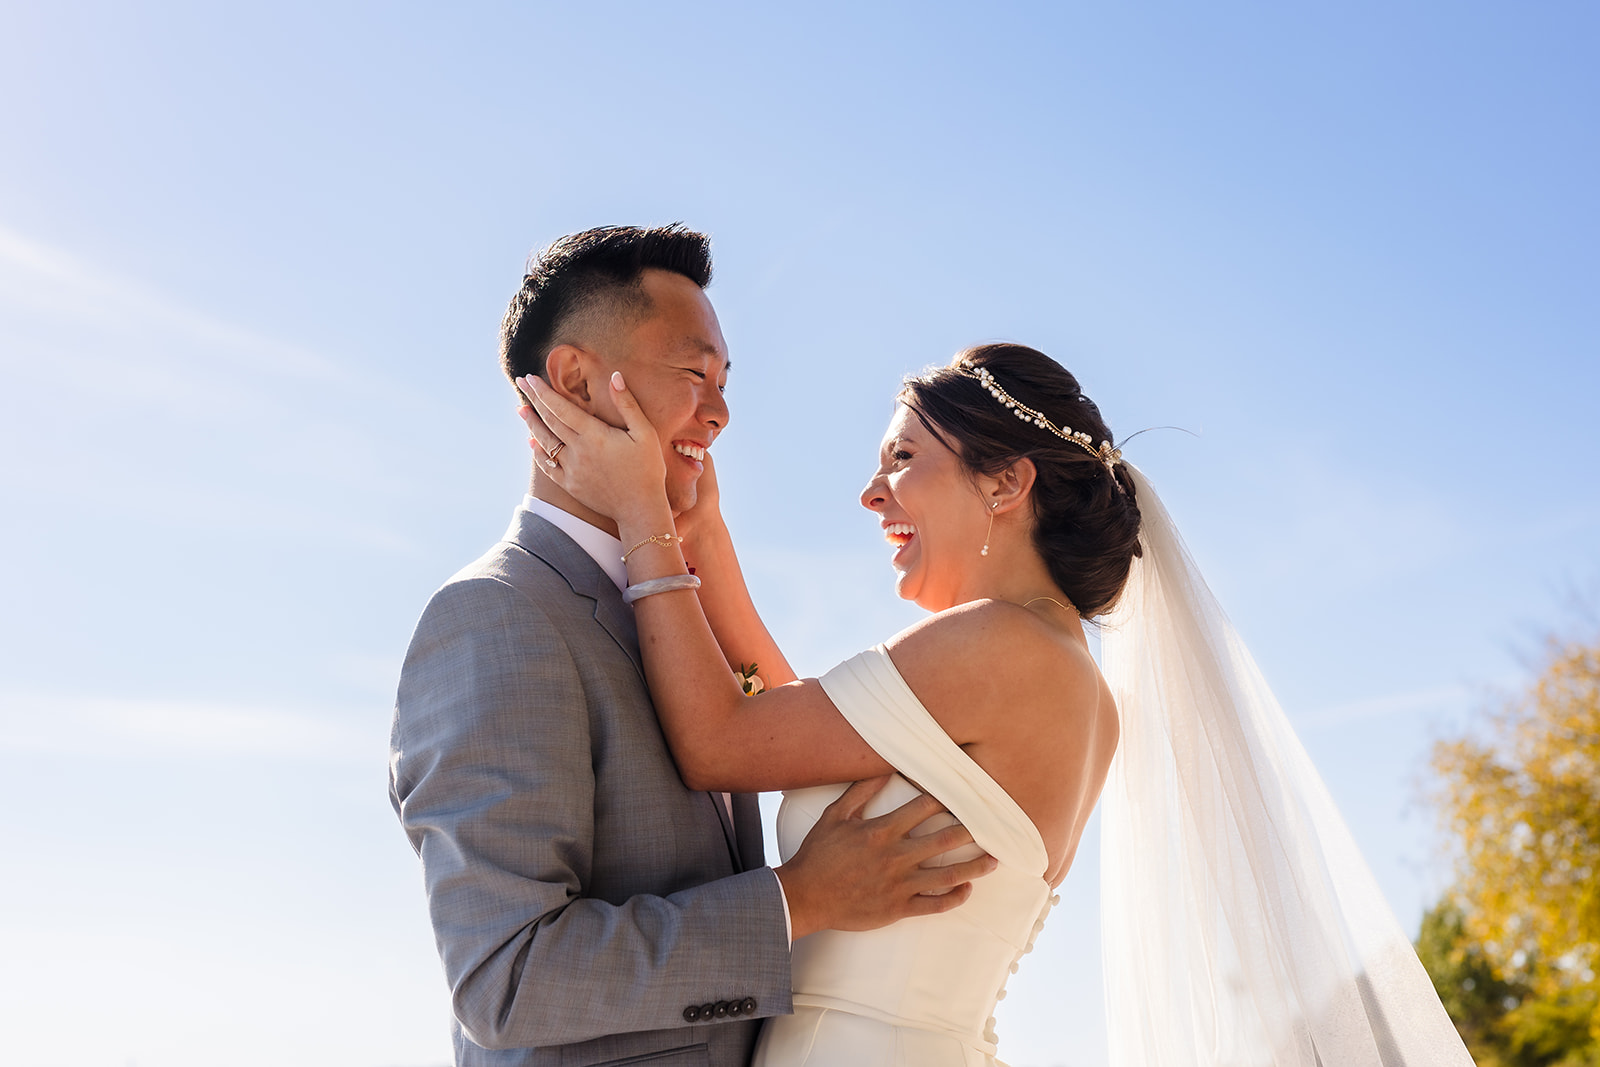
x,y
901,587
908,588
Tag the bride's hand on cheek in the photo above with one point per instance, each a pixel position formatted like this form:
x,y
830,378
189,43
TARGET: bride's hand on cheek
x,y
614,471
706,515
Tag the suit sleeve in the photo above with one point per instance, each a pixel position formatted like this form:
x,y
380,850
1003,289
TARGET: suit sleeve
x,y
491,773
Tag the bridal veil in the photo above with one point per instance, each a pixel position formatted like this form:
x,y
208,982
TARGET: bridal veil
x,y
1240,925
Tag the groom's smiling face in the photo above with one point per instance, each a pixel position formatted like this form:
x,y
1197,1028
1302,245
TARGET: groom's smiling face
x,y
675,362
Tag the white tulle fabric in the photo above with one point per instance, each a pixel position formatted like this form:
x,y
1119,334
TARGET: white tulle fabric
x,y
1240,925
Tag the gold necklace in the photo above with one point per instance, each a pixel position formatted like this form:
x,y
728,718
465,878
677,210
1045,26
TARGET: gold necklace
x,y
1053,600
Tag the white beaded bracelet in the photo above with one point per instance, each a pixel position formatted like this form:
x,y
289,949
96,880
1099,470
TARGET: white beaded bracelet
x,y
660,585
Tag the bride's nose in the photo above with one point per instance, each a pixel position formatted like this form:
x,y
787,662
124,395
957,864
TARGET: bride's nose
x,y
874,496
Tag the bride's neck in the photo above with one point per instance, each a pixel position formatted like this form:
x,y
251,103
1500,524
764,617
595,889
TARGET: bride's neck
x,y
1015,573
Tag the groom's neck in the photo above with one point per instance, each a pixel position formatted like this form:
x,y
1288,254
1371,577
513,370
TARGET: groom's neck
x,y
551,493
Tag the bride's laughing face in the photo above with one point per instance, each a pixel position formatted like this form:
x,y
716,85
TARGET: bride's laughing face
x,y
931,513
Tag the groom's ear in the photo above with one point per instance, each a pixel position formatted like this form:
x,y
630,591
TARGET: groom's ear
x,y
567,368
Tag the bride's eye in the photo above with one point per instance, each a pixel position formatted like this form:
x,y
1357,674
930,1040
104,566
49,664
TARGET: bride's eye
x,y
900,455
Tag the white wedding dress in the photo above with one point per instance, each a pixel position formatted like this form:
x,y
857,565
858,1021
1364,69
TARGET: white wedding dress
x,y
920,992
1240,926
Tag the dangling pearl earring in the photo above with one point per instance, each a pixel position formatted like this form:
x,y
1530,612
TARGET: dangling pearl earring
x,y
985,549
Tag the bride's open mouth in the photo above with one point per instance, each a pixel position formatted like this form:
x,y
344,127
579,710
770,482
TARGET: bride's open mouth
x,y
899,534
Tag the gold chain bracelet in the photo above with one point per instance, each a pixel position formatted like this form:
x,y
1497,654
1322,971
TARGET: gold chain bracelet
x,y
665,540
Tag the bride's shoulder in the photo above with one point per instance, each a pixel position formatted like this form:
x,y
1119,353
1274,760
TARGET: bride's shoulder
x,y
990,625
964,658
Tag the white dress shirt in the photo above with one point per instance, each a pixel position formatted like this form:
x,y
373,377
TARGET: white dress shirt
x,y
601,546
606,551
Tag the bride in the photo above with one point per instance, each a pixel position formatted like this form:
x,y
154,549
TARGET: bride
x,y
1240,924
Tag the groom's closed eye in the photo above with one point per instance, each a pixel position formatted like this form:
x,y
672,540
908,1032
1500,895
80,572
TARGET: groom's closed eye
x,y
722,387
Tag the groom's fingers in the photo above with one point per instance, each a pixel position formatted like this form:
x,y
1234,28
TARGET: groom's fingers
x,y
939,842
934,903
939,880
910,815
852,800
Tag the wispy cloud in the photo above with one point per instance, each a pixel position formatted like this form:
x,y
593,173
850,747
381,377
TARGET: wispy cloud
x,y
45,279
48,723
212,421
1411,702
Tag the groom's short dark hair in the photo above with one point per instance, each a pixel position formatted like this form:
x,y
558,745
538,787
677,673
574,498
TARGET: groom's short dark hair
x,y
585,276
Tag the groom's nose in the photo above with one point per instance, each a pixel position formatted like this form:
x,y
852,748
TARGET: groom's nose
x,y
714,409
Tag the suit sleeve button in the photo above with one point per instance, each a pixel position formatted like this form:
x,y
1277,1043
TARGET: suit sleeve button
x,y
707,1011
749,1005
735,1008
722,1009
691,1013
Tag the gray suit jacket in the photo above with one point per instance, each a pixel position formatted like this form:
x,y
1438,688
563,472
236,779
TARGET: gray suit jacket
x,y
586,904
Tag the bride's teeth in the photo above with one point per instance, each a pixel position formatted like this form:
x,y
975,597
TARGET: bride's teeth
x,y
692,451
899,532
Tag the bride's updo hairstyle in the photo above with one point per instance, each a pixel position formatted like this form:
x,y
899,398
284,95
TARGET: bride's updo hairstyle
x,y
1086,520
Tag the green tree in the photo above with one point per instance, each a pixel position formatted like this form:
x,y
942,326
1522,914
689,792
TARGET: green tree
x,y
1475,997
1514,949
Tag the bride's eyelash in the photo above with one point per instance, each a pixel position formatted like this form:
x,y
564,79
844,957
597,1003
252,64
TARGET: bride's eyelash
x,y
900,454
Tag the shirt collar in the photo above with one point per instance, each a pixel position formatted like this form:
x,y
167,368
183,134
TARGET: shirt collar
x,y
601,546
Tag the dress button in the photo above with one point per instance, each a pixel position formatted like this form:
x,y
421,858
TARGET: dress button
x,y
1013,968
749,1005
1001,995
1055,899
691,1013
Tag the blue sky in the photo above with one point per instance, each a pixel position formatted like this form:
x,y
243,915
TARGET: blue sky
x,y
251,267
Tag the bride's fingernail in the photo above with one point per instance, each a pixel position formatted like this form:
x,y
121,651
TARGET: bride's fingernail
x,y
616,381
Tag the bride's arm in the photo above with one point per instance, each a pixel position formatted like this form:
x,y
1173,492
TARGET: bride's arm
x,y
724,597
786,737
789,736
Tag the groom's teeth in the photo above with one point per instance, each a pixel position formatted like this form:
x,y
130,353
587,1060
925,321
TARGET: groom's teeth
x,y
692,451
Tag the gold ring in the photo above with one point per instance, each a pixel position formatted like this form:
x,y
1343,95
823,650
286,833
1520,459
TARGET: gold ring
x,y
556,451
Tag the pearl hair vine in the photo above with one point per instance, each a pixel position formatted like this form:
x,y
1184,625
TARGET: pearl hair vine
x,y
1108,456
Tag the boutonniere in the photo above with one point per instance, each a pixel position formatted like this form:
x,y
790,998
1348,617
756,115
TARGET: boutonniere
x,y
749,681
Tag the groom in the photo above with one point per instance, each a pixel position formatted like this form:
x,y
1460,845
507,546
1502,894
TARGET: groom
x,y
588,907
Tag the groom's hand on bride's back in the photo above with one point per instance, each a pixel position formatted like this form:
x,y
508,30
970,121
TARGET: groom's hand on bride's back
x,y
855,873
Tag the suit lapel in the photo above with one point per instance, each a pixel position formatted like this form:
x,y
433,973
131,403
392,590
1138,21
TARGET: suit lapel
x,y
613,615
747,826
536,536
583,574
729,833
